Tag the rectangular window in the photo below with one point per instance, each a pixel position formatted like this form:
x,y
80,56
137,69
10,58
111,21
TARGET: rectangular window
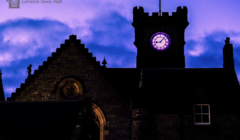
x,y
202,114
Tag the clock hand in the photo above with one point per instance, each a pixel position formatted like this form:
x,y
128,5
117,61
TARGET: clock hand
x,y
162,40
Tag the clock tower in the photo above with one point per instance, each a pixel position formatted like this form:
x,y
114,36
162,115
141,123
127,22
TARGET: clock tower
x,y
160,39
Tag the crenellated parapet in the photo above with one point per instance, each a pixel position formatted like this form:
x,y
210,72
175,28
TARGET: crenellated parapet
x,y
178,18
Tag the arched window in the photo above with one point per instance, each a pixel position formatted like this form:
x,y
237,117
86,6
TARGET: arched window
x,y
69,88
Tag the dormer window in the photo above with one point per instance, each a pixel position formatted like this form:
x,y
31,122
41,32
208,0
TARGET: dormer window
x,y
202,114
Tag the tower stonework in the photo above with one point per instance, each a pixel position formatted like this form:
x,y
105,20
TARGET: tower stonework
x,y
142,118
145,26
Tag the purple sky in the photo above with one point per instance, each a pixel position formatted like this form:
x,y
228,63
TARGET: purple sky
x,y
30,34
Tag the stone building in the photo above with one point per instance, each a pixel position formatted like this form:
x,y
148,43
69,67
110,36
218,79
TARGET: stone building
x,y
72,96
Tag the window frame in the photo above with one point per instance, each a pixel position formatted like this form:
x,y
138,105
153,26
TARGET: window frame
x,y
209,115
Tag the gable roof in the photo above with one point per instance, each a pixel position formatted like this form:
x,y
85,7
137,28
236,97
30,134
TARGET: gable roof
x,y
72,39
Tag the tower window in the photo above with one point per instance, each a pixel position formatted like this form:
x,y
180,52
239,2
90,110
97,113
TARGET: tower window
x,y
202,114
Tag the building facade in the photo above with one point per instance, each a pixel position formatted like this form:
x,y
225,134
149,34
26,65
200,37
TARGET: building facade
x,y
160,99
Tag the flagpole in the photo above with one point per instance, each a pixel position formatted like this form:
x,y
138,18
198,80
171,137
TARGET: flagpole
x,y
159,8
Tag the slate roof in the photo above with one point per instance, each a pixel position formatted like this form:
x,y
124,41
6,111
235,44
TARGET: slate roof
x,y
39,120
176,86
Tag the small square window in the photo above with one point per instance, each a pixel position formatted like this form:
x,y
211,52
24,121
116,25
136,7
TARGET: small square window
x,y
204,109
197,108
205,118
198,118
202,114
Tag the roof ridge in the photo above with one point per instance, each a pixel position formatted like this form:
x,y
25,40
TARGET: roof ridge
x,y
32,77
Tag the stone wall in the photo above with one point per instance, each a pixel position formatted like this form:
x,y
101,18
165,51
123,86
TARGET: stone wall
x,y
75,63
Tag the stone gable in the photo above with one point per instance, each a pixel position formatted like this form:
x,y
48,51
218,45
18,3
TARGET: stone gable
x,y
75,65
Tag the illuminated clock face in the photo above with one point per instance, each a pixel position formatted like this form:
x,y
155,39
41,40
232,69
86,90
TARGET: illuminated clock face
x,y
160,41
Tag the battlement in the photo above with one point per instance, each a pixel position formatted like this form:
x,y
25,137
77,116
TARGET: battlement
x,y
180,16
136,9
180,10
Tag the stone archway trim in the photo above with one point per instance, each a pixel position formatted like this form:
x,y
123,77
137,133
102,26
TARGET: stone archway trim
x,y
102,120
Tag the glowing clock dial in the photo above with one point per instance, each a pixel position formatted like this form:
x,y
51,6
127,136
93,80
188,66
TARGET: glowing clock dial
x,y
160,41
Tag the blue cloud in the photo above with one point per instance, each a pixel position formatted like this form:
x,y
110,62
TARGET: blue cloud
x,y
118,57
212,43
43,36
112,30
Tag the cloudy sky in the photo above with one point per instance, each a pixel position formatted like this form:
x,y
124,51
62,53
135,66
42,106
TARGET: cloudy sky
x,y
29,34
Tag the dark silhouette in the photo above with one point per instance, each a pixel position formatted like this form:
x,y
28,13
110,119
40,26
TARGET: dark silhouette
x,y
147,55
2,96
104,62
29,69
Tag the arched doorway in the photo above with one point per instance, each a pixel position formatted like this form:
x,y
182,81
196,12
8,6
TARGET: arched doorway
x,y
93,125
93,128
99,123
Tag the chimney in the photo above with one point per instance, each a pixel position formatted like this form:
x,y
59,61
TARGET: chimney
x,y
228,61
2,96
